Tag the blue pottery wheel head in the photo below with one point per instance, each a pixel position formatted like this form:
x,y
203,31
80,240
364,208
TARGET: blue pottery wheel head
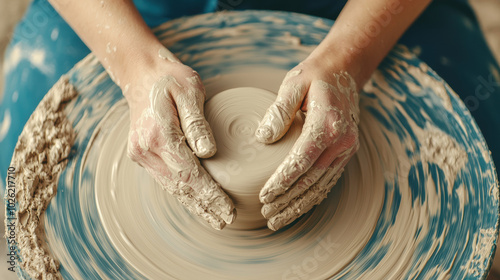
x,y
428,224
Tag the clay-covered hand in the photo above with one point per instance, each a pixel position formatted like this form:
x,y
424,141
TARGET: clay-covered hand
x,y
165,112
328,140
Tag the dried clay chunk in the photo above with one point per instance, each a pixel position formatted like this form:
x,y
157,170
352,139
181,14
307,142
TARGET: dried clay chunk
x,y
39,157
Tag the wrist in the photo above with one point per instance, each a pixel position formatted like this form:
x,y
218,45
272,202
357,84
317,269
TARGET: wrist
x,y
336,58
347,48
135,61
142,67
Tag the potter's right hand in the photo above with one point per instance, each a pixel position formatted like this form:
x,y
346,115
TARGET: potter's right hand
x,y
165,111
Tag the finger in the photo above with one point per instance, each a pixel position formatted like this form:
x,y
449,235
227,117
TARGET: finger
x,y
281,113
157,168
307,180
194,125
312,176
317,174
306,150
191,179
297,162
194,207
320,170
216,212
313,196
162,106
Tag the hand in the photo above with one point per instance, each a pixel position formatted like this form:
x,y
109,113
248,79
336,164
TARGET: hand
x,y
157,142
328,140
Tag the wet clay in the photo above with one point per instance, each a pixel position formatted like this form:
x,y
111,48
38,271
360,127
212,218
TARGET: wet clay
x,y
242,165
39,157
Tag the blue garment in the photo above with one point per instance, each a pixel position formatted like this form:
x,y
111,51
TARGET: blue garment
x,y
447,35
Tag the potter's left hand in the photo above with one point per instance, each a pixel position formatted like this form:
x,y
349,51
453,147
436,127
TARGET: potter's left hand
x,y
328,140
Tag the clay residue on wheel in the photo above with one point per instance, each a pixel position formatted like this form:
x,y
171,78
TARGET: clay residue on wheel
x,y
39,157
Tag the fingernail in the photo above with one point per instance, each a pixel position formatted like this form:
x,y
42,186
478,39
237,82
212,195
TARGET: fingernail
x,y
268,211
205,147
218,226
229,219
268,198
272,226
264,134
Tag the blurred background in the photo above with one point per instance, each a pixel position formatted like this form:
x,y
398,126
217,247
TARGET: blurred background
x,y
488,12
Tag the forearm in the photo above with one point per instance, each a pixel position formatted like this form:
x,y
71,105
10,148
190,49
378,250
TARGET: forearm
x,y
365,31
114,31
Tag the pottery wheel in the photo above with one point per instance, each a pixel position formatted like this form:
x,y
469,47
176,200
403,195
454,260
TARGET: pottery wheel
x,y
402,209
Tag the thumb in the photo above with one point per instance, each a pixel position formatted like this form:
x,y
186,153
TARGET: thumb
x,y
281,113
193,123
